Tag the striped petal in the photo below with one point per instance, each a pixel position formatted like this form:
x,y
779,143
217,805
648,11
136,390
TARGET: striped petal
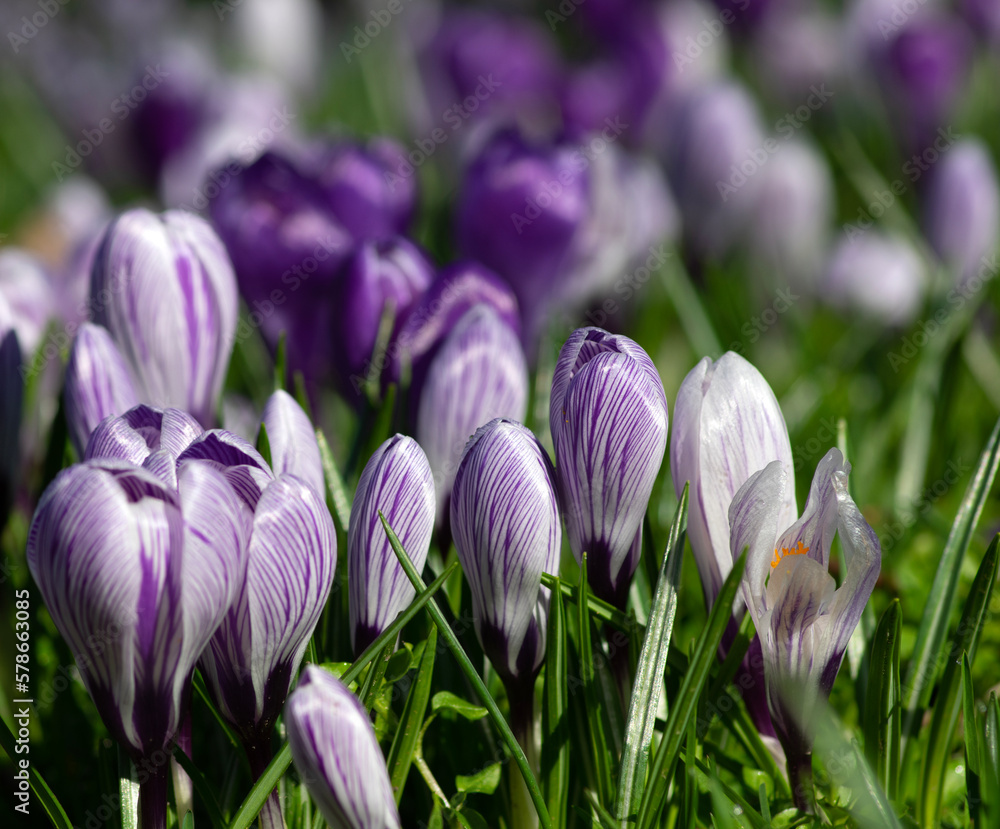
x,y
479,374
609,448
397,481
292,439
256,652
505,520
243,466
98,384
337,755
164,287
727,426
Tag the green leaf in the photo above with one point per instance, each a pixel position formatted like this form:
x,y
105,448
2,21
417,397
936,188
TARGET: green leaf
x,y
973,743
555,713
339,501
925,662
202,786
373,680
201,690
484,781
448,701
254,800
43,794
881,723
687,698
263,444
648,682
281,362
947,703
128,791
601,815
990,762
399,665
476,681
408,731
690,312
471,819
599,609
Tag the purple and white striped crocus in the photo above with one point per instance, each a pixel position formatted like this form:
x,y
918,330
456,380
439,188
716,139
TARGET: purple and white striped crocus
x,y
253,657
98,384
727,426
336,754
163,286
505,520
478,374
396,481
608,416
804,621
147,571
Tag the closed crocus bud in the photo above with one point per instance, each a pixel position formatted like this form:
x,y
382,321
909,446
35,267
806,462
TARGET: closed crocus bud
x,y
458,287
164,288
478,374
25,286
608,416
98,384
878,274
727,426
336,754
505,519
803,620
292,441
11,398
364,189
397,482
389,274
799,48
962,214
147,572
520,212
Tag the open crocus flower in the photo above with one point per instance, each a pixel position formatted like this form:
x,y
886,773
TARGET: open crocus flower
x,y
337,755
164,288
148,571
396,481
608,416
804,621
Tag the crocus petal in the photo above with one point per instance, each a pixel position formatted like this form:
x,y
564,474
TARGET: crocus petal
x,y
397,481
337,755
291,561
727,425
172,307
479,374
292,440
135,434
505,520
814,531
242,465
608,453
98,384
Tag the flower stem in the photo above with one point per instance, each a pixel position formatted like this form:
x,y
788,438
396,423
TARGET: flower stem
x,y
183,787
153,796
521,698
259,754
800,777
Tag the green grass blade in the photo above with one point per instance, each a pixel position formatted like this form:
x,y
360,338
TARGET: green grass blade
x,y
947,703
687,698
989,760
281,362
477,682
254,800
341,504
933,629
599,609
690,311
43,794
648,682
973,745
202,786
881,719
405,741
555,714
373,681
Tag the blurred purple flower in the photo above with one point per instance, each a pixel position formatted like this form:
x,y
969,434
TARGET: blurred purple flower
x,y
11,399
25,285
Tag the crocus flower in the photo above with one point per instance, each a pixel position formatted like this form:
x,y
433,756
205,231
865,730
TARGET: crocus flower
x,y
98,383
608,416
336,754
11,397
148,571
397,482
27,289
164,288
292,441
727,426
962,215
505,519
478,374
389,274
803,620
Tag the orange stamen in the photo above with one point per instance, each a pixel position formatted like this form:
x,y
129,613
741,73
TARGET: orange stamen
x,y
795,551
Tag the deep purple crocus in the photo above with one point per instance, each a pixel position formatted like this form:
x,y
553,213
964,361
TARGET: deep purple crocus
x,y
608,415
397,482
164,288
336,753
479,373
148,572
505,519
